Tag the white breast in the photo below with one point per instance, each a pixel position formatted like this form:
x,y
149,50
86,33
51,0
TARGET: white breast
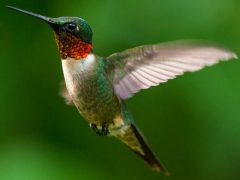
x,y
72,67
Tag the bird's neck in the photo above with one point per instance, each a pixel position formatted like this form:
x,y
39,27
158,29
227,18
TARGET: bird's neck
x,y
70,46
83,64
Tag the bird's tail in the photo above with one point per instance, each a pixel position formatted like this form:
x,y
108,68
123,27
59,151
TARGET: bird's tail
x,y
134,139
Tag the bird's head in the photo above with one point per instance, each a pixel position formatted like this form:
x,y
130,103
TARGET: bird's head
x,y
73,34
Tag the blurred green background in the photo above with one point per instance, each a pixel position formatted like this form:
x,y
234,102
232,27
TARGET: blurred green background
x,y
192,123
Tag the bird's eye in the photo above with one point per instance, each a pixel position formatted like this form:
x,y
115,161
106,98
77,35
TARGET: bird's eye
x,y
71,26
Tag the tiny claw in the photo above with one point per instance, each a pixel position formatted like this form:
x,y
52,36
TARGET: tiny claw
x,y
105,130
101,132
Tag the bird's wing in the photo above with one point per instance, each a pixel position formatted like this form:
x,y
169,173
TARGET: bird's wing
x,y
150,65
64,93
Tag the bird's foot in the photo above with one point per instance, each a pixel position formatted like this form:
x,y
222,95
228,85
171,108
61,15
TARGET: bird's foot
x,y
101,132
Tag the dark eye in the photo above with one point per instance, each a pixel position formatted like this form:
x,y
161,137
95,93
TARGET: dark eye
x,y
71,26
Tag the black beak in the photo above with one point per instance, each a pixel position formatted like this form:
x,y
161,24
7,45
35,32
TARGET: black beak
x,y
48,20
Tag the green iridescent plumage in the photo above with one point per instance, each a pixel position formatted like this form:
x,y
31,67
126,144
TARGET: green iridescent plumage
x,y
95,96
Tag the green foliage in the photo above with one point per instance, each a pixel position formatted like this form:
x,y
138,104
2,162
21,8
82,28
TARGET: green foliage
x,y
192,122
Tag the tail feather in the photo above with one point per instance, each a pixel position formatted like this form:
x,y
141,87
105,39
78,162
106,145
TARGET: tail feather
x,y
135,140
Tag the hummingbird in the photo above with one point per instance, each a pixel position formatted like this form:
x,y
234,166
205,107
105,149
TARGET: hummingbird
x,y
98,86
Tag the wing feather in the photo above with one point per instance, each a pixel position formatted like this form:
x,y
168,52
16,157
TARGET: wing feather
x,y
150,65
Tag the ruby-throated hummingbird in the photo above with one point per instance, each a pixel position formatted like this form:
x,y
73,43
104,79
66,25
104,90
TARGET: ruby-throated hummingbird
x,y
98,86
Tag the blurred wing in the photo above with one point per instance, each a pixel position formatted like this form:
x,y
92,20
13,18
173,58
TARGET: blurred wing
x,y
64,93
150,65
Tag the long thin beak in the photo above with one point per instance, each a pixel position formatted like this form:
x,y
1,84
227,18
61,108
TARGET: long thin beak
x,y
38,16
